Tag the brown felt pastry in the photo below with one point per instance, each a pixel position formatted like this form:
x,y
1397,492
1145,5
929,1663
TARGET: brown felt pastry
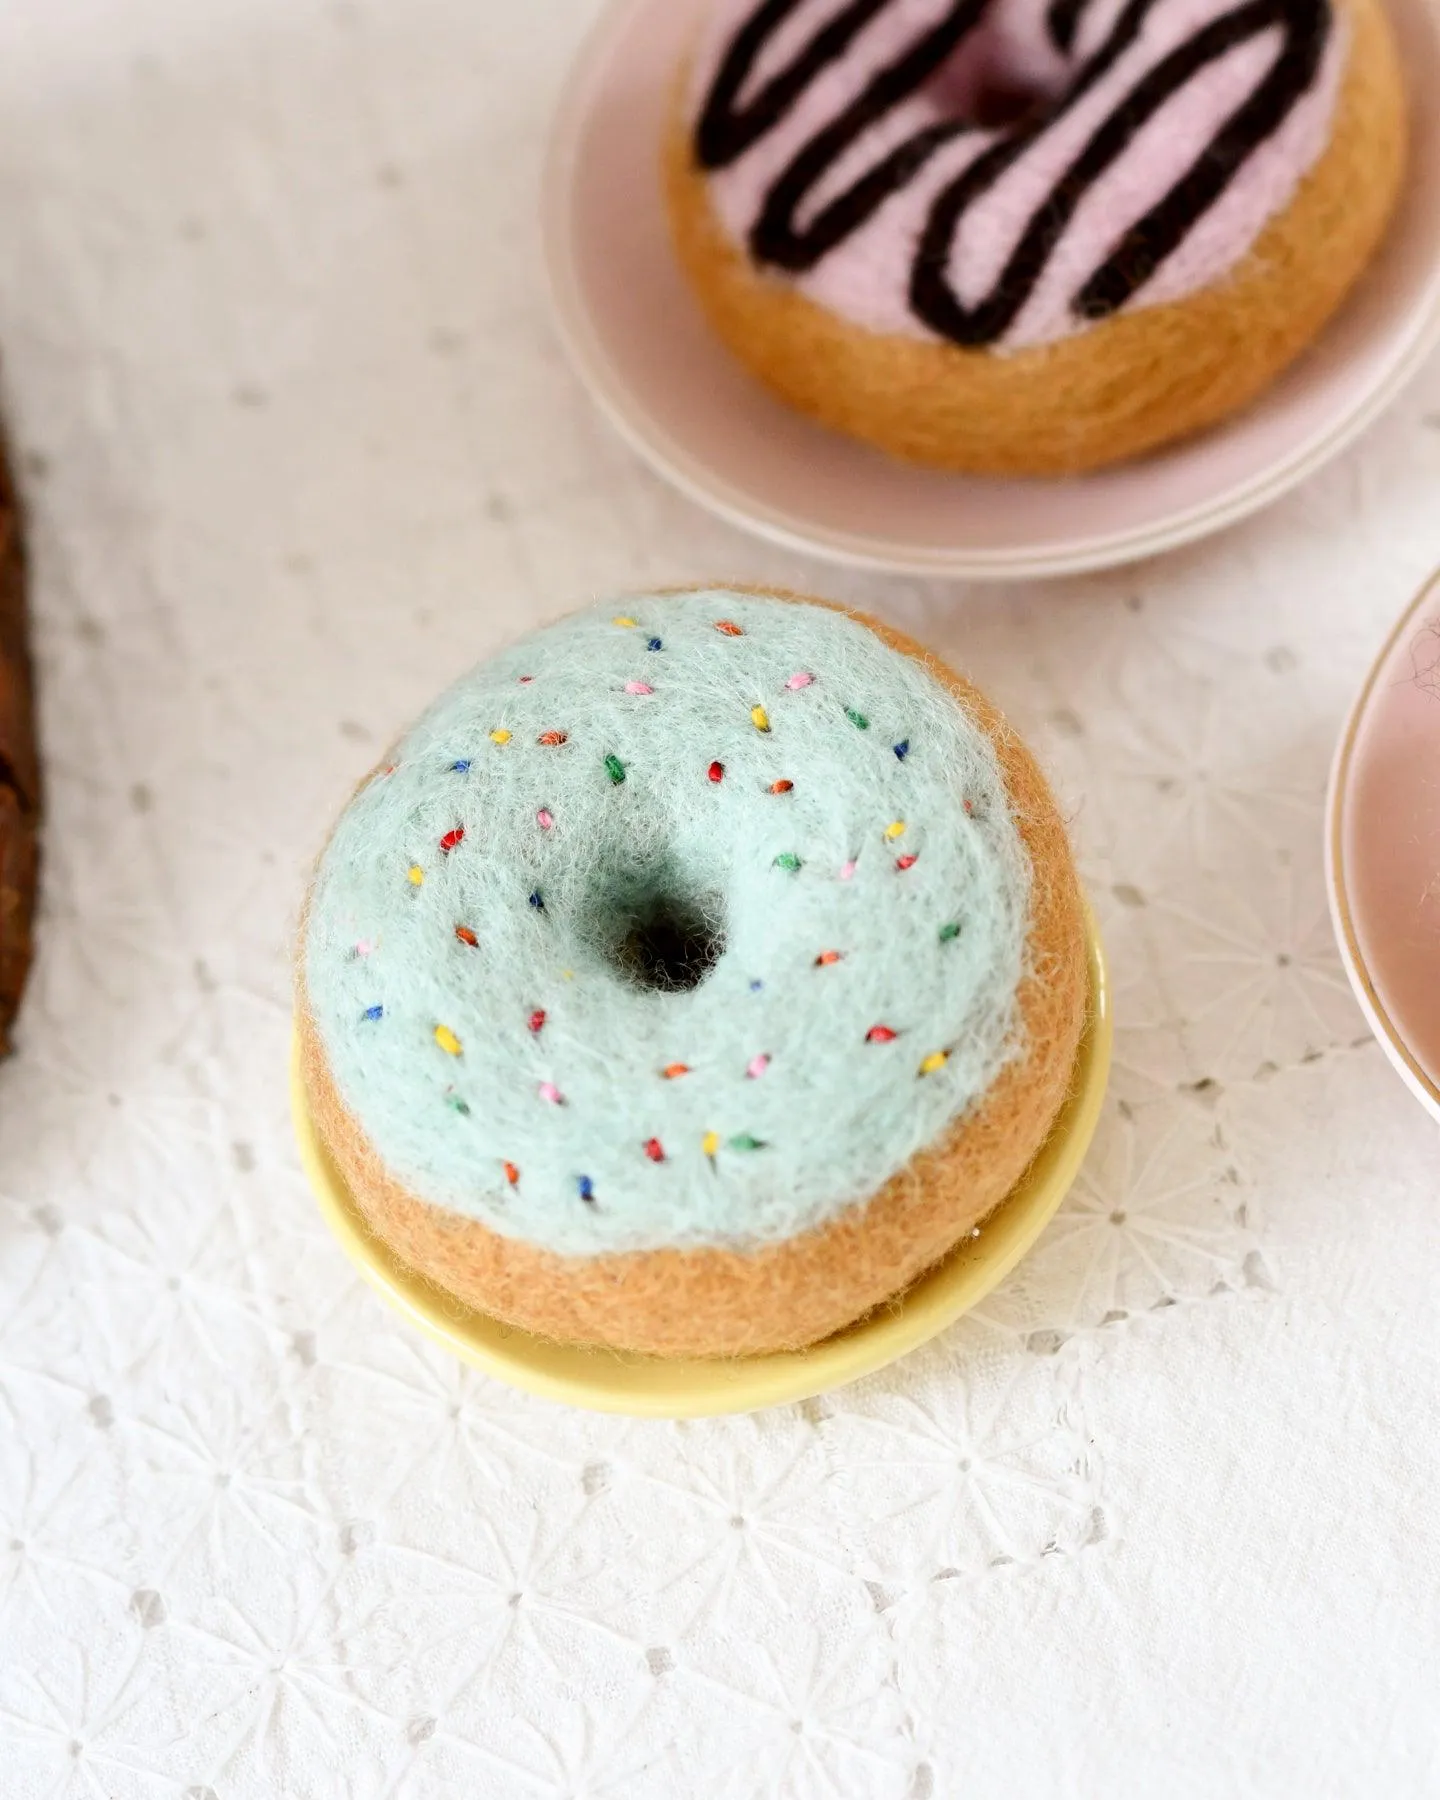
x,y
19,767
693,975
1016,241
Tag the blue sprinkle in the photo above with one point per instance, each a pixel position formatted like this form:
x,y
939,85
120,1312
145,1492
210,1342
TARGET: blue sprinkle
x,y
536,901
902,749
586,1187
374,1012
654,644
462,767
755,986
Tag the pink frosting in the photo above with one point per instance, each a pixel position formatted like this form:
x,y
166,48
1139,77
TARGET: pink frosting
x,y
865,278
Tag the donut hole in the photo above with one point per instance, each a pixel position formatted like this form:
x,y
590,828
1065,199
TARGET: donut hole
x,y
656,930
994,83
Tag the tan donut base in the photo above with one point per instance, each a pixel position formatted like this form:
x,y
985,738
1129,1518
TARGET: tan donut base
x,y
785,1295
1114,391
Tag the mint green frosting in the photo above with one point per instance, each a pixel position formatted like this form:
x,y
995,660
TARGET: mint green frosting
x,y
502,929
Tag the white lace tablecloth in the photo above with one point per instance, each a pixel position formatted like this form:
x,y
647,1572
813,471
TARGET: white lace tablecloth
x,y
299,445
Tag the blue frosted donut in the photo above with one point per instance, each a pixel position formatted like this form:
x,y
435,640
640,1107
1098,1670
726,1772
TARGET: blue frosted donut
x,y
682,926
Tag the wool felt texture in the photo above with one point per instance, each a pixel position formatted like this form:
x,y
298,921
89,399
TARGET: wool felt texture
x,y
731,1302
1144,376
705,971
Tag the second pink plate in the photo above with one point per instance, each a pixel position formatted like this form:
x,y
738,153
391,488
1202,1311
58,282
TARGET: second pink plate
x,y
641,346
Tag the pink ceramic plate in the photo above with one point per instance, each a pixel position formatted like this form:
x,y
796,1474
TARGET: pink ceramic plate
x,y
640,344
1383,847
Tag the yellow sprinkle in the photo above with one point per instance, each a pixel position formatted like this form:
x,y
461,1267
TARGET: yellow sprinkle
x,y
624,622
417,874
710,1143
759,718
896,829
500,735
569,974
937,1059
447,1040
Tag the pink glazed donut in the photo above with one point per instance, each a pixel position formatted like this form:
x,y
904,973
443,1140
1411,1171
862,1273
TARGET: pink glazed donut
x,y
1030,235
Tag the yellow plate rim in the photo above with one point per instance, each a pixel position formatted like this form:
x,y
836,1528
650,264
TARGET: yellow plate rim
x,y
684,1388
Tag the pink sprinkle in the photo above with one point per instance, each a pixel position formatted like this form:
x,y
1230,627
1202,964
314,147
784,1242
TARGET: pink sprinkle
x,y
525,678
799,680
638,687
905,862
847,870
364,947
549,1091
757,1065
545,817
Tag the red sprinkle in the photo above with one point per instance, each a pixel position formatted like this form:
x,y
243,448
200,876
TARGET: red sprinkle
x,y
552,737
672,1071
729,627
452,838
880,1034
466,936
716,771
826,957
905,862
537,1018
512,1174
781,787
654,1150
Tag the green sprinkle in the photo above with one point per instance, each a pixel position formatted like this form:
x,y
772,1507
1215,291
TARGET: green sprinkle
x,y
615,769
743,1141
787,859
458,1105
857,719
952,930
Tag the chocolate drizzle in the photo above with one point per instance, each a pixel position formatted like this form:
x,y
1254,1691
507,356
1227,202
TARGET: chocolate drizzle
x,y
727,128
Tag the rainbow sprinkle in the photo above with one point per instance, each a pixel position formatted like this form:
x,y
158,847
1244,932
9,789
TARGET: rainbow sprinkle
x,y
654,1149
512,1174
743,1141
447,1040
826,957
857,719
585,1187
781,787
759,718
615,769
757,1065
937,1059
550,738
881,1034
462,767
654,644
847,869
544,818
729,628
625,623
902,749
452,838
716,771
800,679
536,1021
906,862
710,1143
415,874
787,859
551,1094
895,829
373,1012
467,936
499,735
947,932
638,687
673,1071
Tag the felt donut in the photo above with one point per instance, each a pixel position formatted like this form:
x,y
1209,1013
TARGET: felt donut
x,y
693,975
1030,236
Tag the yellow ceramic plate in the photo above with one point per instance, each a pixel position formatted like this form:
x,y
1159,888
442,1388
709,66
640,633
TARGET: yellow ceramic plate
x,y
673,1388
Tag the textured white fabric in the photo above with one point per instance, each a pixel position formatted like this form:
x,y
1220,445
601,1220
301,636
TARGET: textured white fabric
x,y
1162,1518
